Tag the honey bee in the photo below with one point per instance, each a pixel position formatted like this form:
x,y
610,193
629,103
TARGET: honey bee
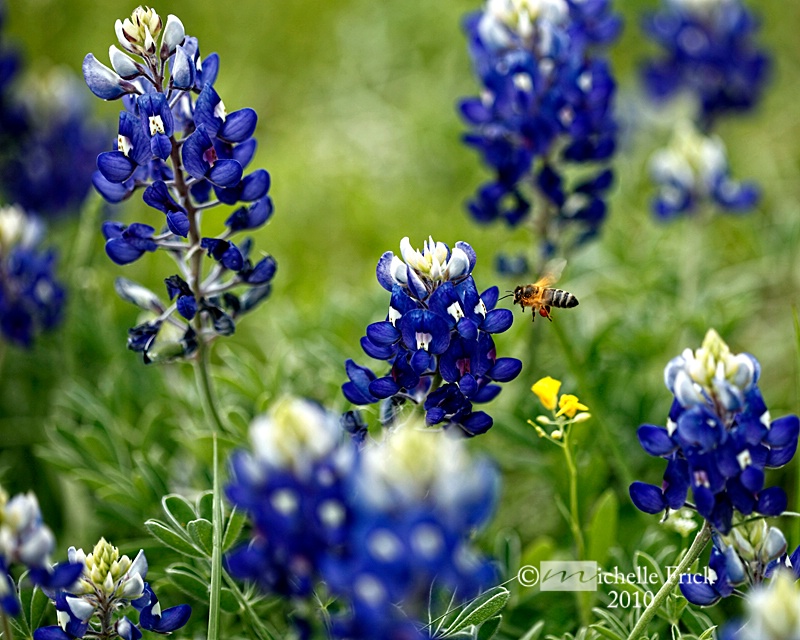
x,y
540,297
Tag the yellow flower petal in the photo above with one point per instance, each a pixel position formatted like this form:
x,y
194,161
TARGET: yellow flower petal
x,y
569,405
546,390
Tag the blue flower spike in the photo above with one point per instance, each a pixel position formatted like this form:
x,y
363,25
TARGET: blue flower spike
x,y
31,298
437,326
545,107
179,147
719,439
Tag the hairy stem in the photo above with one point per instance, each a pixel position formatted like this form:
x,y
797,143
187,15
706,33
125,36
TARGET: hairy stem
x,y
700,542
216,553
575,523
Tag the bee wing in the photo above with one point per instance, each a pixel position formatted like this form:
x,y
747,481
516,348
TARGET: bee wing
x,y
552,272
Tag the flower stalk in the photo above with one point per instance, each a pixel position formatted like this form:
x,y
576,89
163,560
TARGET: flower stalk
x,y
700,542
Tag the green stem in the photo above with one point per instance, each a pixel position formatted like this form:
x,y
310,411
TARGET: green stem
x,y
608,438
203,375
216,553
6,627
700,542
575,523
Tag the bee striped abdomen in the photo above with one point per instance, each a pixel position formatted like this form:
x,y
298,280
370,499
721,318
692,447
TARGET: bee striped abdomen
x,y
560,299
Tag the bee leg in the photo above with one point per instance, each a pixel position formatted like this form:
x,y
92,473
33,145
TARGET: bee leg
x,y
545,311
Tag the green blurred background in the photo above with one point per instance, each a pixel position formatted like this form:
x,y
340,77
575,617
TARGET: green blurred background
x,y
359,129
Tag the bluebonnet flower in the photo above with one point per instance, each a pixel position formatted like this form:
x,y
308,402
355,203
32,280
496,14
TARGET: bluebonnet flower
x,y
743,557
416,499
31,299
178,143
437,337
47,167
25,540
709,53
773,612
692,172
109,583
545,108
292,487
719,439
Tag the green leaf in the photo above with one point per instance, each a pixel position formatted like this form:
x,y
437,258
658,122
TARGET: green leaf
x,y
602,529
202,532
188,582
172,539
205,506
707,634
38,606
228,602
489,628
606,632
485,606
234,527
178,509
534,632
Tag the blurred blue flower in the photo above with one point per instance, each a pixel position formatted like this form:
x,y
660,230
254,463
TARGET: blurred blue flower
x,y
692,172
709,52
719,439
26,540
92,604
438,330
545,106
177,142
417,497
292,486
31,299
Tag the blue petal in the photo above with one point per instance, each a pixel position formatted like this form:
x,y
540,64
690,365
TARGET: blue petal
x,y
255,186
505,369
193,151
752,479
498,321
115,166
160,146
112,192
225,173
187,306
173,618
490,297
647,497
383,333
50,633
697,591
183,69
376,351
102,81
178,223
383,387
238,126
779,457
121,252
783,432
204,108
383,271
655,440
771,502
476,423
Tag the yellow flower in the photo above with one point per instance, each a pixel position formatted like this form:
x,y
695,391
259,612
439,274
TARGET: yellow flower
x,y
569,405
547,391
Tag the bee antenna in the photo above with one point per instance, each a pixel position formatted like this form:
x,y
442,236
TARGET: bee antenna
x,y
510,293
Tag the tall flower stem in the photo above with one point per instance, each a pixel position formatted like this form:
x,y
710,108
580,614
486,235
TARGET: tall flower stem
x,y
216,553
202,372
575,523
700,542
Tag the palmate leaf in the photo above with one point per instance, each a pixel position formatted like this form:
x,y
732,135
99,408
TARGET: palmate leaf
x,y
178,540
